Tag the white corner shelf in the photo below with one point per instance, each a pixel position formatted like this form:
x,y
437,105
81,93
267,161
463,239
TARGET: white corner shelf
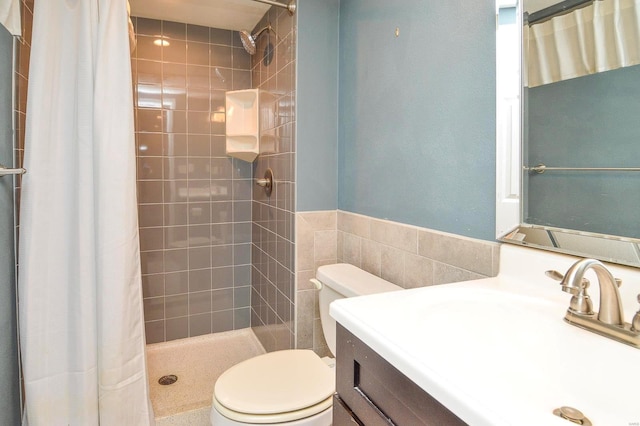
x,y
243,124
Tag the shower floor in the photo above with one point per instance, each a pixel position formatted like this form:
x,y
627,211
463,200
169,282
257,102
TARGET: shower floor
x,y
198,362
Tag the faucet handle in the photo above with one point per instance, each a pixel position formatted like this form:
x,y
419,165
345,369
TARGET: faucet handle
x,y
581,301
555,275
619,283
635,323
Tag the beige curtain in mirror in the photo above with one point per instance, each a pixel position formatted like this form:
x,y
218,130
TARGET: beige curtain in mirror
x,y
600,37
10,16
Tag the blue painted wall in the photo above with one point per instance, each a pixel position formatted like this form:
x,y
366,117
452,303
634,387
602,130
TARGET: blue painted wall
x,y
417,113
9,376
591,121
317,105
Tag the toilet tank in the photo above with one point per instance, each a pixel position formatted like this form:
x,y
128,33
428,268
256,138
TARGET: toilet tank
x,y
344,280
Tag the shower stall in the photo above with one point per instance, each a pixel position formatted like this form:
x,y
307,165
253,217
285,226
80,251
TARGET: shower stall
x,y
216,252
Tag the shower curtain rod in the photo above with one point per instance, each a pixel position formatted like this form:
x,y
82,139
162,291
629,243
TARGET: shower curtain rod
x,y
557,9
291,6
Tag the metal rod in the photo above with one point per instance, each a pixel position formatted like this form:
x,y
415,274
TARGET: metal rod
x,y
541,168
4,171
557,9
291,6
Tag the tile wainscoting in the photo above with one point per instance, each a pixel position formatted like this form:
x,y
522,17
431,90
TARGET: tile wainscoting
x,y
408,256
316,245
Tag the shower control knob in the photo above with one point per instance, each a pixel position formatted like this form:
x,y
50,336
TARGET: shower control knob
x,y
267,182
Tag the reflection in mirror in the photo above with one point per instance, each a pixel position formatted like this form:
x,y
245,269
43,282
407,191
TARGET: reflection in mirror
x,y
508,89
580,150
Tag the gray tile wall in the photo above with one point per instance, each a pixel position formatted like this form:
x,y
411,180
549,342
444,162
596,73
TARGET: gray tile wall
x,y
21,79
21,82
194,202
316,245
13,69
273,294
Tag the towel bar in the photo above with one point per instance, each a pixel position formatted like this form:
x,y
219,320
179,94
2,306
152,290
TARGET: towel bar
x,y
4,171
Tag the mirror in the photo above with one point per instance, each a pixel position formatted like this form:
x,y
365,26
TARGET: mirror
x,y
568,148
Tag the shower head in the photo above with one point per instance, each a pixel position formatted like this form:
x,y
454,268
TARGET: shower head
x,y
249,40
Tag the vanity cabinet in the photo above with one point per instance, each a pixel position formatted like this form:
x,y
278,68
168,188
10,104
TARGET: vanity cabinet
x,y
372,392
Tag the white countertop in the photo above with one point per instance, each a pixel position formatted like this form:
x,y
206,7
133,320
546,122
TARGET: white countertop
x,y
497,351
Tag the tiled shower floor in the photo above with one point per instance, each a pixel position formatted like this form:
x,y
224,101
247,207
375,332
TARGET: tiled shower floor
x,y
198,362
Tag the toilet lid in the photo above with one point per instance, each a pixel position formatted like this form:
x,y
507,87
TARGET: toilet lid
x,y
276,382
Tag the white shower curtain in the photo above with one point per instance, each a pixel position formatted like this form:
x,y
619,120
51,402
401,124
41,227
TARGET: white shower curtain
x,y
81,323
600,37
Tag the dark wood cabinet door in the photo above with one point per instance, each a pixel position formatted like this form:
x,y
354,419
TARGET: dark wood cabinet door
x,y
342,415
378,394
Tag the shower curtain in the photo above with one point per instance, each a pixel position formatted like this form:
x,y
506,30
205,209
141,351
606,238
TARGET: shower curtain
x,y
81,324
600,37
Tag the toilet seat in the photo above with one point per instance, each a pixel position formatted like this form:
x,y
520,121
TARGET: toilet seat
x,y
276,387
254,419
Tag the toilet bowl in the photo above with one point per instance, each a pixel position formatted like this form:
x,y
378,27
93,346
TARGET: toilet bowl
x,y
292,387
282,387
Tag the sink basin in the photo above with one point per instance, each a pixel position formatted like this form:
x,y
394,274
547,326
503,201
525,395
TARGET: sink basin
x,y
497,351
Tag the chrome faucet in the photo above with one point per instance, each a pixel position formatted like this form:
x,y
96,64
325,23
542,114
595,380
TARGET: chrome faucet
x,y
610,311
609,320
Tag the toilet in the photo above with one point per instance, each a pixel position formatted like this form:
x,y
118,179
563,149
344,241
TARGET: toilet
x,y
292,387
